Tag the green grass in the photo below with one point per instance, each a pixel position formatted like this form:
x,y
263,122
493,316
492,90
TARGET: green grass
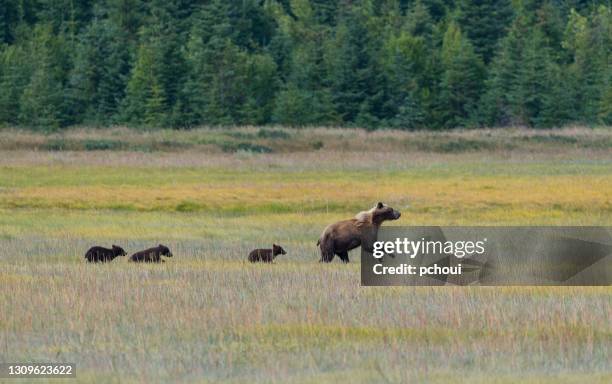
x,y
207,315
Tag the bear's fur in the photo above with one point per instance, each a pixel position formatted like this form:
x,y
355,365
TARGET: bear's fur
x,y
103,255
151,255
362,230
266,255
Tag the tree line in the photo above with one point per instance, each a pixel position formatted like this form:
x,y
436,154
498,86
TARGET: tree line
x,y
408,64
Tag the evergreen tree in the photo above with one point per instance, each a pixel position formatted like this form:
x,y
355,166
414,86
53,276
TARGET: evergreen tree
x,y
67,16
357,84
158,76
145,101
166,42
305,98
42,103
226,83
325,11
525,75
405,58
16,69
253,26
462,79
589,41
372,63
419,21
127,15
211,58
298,107
260,89
9,18
558,102
438,9
99,76
484,22
531,99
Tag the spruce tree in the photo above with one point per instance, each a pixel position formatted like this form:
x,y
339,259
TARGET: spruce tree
x,y
588,41
372,63
100,71
462,79
16,69
42,104
305,98
357,83
484,22
524,73
127,15
145,102
9,19
405,58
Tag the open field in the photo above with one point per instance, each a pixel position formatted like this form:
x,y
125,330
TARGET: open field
x,y
212,195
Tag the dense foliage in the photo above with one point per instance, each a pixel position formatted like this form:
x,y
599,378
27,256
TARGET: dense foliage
x,y
373,63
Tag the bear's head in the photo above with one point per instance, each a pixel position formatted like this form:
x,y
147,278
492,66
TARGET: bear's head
x,y
118,251
165,251
278,250
382,212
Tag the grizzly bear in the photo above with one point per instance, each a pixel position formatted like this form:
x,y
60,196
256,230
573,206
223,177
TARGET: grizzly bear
x,y
151,255
103,255
362,230
266,255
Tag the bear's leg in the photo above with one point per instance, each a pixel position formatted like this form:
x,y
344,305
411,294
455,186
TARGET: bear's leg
x,y
326,245
327,250
324,254
343,256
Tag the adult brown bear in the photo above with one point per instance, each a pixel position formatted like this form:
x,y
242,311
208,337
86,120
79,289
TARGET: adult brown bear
x,y
341,237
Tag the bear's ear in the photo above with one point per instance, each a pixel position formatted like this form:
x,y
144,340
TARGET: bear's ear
x,y
274,245
380,205
114,246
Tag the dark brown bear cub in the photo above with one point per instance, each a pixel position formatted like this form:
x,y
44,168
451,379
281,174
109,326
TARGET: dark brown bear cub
x,y
266,255
151,255
103,255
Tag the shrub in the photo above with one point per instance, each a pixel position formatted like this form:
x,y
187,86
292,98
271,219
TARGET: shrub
x,y
102,145
273,134
244,146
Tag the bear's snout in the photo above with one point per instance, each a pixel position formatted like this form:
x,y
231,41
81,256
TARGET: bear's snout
x,y
397,214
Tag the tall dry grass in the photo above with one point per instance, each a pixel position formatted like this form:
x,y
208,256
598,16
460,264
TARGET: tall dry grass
x,y
207,315
226,320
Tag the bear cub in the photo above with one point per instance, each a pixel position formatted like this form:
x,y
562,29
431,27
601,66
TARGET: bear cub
x,y
266,255
103,255
151,255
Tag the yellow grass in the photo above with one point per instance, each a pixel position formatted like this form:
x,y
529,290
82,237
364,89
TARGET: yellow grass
x,y
570,192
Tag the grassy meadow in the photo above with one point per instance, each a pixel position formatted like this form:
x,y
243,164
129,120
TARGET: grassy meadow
x,y
212,195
